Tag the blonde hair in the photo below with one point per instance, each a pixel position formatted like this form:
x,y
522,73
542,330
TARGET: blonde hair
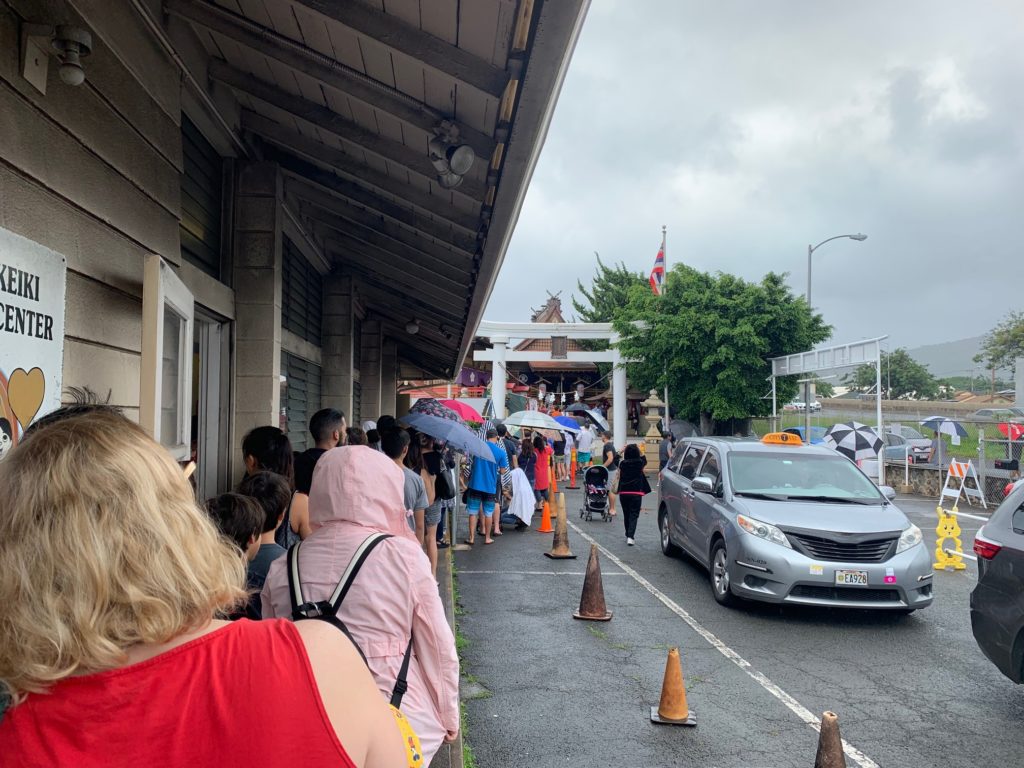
x,y
102,547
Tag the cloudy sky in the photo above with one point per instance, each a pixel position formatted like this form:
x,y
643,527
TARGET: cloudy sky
x,y
754,128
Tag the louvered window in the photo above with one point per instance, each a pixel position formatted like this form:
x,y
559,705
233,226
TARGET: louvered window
x,y
202,200
300,398
302,296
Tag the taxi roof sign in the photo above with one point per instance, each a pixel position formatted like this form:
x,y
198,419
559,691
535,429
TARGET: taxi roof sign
x,y
781,438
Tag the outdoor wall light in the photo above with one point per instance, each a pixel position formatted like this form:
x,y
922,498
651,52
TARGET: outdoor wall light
x,y
450,159
412,327
39,41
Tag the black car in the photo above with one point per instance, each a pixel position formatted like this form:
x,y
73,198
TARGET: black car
x,y
997,603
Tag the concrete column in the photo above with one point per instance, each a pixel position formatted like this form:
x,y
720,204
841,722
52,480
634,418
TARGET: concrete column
x,y
388,379
370,374
619,402
338,344
257,283
500,376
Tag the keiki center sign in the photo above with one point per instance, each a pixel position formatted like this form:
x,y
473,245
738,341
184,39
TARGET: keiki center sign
x,y
33,282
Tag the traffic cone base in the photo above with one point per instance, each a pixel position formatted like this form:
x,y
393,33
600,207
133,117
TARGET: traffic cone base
x,y
592,606
673,709
560,544
691,719
545,520
830,744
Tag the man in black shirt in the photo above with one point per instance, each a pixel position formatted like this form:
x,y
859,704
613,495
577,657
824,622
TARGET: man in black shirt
x,y
328,430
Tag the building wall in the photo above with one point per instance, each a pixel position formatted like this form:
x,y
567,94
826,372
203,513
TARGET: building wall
x,y
91,172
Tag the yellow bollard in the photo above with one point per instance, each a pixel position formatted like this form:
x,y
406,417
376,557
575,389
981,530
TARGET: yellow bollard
x,y
948,529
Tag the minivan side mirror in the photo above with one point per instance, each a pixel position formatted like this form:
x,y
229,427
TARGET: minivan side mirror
x,y
703,484
888,491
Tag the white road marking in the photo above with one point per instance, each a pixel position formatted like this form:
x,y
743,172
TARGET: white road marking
x,y
792,704
538,573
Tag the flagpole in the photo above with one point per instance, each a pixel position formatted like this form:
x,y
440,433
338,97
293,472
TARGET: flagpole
x,y
664,287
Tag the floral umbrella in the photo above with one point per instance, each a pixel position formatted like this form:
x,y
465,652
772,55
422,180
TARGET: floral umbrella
x,y
433,407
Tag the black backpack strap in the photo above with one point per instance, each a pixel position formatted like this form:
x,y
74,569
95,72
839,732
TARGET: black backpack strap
x,y
402,683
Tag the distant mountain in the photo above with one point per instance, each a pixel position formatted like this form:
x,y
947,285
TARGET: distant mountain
x,y
953,358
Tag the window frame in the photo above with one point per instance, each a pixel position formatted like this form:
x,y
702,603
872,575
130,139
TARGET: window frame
x,y
162,289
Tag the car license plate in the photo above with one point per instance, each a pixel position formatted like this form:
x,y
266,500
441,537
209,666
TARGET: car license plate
x,y
858,578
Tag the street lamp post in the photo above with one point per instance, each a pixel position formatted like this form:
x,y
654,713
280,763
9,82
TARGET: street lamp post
x,y
807,384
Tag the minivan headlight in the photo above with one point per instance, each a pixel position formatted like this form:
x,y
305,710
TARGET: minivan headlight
x,y
909,538
765,531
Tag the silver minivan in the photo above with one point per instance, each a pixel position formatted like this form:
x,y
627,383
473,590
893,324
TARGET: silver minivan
x,y
782,522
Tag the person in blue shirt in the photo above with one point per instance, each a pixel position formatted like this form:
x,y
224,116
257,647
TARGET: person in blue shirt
x,y
484,485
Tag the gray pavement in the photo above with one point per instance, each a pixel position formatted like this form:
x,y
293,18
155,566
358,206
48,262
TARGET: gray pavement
x,y
552,691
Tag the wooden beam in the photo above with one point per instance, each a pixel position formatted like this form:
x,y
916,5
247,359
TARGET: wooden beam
x,y
451,281
326,119
328,71
347,251
384,295
308,193
307,176
414,43
341,223
308,173
358,172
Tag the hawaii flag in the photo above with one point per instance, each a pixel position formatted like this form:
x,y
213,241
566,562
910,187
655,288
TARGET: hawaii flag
x,y
657,278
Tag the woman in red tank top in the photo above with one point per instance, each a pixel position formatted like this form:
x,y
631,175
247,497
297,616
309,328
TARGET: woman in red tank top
x,y
110,578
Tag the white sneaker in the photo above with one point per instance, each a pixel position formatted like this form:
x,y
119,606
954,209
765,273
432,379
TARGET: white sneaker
x,y
629,541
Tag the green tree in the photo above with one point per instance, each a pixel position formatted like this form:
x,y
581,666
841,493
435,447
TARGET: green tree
x,y
709,338
1004,343
823,388
607,294
903,378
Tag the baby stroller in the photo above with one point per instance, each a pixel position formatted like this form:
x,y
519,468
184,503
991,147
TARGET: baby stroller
x,y
595,494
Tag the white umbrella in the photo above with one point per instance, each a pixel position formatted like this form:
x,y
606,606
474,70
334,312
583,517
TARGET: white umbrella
x,y
537,420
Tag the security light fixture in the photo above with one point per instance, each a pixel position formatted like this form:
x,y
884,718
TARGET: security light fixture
x,y
41,41
71,44
450,159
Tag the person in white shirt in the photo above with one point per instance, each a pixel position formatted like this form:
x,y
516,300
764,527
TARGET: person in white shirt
x,y
586,442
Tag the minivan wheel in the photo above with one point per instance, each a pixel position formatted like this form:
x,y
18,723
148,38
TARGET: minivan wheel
x,y
667,547
720,586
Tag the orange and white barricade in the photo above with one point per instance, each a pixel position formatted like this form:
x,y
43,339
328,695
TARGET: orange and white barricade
x,y
956,484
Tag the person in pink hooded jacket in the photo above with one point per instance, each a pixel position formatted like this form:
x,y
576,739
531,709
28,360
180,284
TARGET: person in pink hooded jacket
x,y
357,491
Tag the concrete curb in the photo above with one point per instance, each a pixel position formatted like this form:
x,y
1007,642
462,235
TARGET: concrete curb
x,y
449,755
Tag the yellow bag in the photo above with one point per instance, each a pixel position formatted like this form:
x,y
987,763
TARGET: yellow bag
x,y
412,741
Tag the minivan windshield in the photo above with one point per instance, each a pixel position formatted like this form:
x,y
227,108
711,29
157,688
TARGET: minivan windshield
x,y
790,476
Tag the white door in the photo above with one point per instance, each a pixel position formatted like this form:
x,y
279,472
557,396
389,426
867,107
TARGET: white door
x,y
168,317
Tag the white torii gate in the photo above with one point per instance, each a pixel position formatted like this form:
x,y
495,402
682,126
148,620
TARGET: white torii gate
x,y
499,335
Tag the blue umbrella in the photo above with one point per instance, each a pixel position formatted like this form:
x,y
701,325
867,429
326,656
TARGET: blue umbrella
x,y
455,433
568,421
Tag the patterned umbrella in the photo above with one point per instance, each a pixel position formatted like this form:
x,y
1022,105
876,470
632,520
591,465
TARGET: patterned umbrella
x,y
854,440
433,407
944,426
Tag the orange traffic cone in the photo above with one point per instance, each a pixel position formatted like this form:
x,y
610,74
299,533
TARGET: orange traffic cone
x,y
572,471
554,480
560,544
545,520
592,607
830,744
673,709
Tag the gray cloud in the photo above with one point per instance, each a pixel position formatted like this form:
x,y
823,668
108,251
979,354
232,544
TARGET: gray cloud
x,y
753,128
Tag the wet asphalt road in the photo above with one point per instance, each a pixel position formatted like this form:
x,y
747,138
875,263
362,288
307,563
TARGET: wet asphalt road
x,y
546,690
